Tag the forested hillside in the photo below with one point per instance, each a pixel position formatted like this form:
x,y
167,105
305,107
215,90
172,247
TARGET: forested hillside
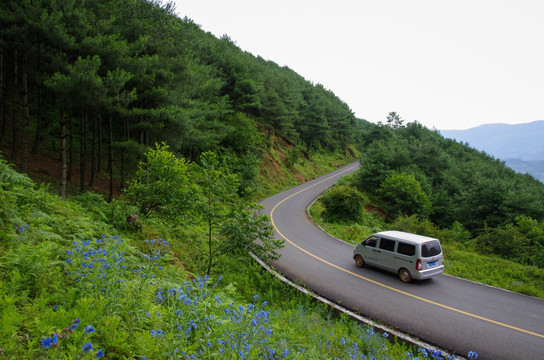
x,y
455,182
126,92
97,82
421,182
519,145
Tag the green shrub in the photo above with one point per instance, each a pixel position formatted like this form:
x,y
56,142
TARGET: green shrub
x,y
343,203
507,243
414,225
402,194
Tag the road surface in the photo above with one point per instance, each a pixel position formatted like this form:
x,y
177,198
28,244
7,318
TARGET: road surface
x,y
448,312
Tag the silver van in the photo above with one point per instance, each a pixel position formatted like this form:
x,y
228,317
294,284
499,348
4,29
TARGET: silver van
x,y
411,256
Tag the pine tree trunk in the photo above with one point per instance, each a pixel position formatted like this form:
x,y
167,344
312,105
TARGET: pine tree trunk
x,y
15,107
93,152
123,162
71,149
309,145
39,123
63,175
99,150
39,117
2,96
83,151
110,157
26,114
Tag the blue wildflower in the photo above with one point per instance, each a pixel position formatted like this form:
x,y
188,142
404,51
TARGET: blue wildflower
x,y
99,354
89,329
87,347
473,355
286,352
47,342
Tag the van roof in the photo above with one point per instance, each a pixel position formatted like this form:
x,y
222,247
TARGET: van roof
x,y
401,235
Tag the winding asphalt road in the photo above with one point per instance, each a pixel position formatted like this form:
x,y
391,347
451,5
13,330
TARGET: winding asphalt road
x,y
448,312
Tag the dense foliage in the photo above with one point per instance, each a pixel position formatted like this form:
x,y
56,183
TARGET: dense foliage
x,y
96,80
203,202
68,291
409,171
100,83
462,184
344,203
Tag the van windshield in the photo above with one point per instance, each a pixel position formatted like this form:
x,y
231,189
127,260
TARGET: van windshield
x,y
430,249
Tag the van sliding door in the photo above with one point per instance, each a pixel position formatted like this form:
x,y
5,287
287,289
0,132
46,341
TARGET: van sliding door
x,y
385,256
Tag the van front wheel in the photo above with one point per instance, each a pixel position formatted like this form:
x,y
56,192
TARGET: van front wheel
x,y
404,275
359,261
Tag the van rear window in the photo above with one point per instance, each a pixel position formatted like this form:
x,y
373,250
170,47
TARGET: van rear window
x,y
406,249
430,249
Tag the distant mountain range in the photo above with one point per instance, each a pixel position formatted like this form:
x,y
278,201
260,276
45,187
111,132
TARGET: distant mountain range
x,y
520,146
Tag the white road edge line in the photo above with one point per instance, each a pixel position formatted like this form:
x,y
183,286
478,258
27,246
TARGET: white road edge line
x,y
404,337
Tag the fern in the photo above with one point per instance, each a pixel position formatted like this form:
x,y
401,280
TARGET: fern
x,y
8,176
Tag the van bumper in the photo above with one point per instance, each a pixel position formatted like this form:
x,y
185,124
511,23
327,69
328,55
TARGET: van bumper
x,y
425,274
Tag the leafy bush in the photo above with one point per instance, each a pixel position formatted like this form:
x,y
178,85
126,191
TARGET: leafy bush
x,y
402,194
343,203
506,243
161,185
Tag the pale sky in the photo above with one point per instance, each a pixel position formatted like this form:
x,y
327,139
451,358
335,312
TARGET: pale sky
x,y
447,64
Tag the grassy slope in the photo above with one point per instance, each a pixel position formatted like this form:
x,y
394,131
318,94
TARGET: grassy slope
x,y
275,175
43,291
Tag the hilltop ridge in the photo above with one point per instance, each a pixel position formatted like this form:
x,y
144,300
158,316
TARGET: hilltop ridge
x,y
520,146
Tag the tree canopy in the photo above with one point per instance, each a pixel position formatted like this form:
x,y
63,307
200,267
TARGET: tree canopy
x,y
118,76
411,170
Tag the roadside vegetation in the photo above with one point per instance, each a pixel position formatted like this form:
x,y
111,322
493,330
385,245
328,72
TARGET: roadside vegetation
x,y
139,146
79,281
488,218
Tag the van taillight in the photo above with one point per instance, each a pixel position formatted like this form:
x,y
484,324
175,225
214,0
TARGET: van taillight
x,y
418,265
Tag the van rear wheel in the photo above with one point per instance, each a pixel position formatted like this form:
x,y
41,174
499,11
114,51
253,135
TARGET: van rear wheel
x,y
359,261
405,275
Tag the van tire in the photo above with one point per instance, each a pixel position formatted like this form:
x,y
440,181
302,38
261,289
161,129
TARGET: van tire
x,y
359,261
405,275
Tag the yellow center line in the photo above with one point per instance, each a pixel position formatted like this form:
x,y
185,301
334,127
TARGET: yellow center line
x,y
383,285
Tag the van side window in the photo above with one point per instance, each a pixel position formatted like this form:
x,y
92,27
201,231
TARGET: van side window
x,y
371,241
406,249
387,244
